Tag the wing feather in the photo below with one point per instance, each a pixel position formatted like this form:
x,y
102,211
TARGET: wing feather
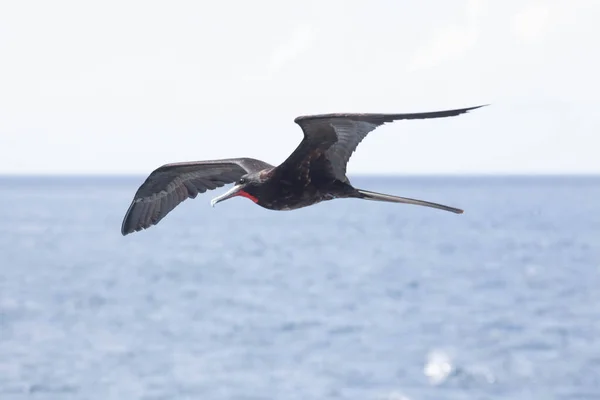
x,y
171,184
339,134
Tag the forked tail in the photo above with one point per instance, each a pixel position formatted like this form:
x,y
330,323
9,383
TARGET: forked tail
x,y
365,194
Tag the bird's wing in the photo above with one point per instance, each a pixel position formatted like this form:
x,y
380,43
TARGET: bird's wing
x,y
337,135
169,185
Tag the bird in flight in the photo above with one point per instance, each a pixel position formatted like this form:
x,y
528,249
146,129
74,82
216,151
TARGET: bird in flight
x,y
314,172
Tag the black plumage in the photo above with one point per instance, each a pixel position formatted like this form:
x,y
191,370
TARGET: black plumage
x,y
314,172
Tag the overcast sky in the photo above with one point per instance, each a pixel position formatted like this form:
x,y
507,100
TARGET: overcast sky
x,y
126,86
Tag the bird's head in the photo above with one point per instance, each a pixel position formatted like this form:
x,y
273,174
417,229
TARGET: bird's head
x,y
247,186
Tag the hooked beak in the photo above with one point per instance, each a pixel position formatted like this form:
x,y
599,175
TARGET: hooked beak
x,y
234,191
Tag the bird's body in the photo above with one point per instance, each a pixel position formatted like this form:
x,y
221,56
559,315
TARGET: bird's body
x,y
289,193
314,172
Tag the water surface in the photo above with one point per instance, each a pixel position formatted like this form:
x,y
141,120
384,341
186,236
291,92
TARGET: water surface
x,y
344,300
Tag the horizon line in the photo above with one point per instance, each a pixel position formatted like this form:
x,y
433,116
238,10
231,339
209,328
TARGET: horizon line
x,y
357,174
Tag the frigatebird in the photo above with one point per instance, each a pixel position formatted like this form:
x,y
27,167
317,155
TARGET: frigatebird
x,y
314,172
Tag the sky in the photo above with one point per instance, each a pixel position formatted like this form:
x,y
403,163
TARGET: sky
x,y
122,87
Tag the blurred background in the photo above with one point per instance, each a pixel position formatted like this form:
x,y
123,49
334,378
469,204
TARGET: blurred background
x,y
346,299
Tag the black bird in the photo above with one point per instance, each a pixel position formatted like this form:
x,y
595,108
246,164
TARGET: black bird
x,y
314,172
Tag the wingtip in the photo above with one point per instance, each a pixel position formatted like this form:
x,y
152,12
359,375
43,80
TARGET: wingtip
x,y
125,229
480,106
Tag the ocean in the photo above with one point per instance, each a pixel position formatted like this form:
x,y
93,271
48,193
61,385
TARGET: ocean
x,y
347,299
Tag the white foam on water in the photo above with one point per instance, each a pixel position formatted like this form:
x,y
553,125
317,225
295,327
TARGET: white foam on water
x,y
438,367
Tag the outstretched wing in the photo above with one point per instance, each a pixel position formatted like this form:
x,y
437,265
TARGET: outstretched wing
x,y
336,136
169,185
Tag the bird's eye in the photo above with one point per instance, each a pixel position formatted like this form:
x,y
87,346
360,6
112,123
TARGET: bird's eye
x,y
242,181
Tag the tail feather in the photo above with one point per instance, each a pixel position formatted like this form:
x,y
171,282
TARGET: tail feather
x,y
365,194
